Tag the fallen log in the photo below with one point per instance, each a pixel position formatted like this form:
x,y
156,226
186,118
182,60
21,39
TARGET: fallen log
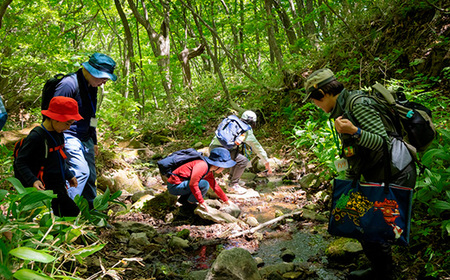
x,y
268,223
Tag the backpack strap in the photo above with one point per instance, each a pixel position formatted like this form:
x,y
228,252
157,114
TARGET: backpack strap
x,y
39,130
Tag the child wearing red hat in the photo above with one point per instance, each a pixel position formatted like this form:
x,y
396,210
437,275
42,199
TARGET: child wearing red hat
x,y
40,162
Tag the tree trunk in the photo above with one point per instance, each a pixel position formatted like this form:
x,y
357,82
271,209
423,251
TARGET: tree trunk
x,y
184,56
3,8
160,45
287,24
211,54
271,35
310,25
130,50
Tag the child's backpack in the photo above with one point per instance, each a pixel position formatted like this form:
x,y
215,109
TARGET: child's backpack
x,y
412,121
176,159
230,132
18,146
49,89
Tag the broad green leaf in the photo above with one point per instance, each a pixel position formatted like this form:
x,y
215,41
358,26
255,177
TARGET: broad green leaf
x,y
116,194
3,194
87,251
440,205
72,235
17,184
30,254
27,274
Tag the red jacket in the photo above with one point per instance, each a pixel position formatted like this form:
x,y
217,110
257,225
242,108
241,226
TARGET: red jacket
x,y
195,170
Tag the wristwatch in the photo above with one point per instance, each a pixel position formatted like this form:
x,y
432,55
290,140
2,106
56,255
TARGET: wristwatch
x,y
357,134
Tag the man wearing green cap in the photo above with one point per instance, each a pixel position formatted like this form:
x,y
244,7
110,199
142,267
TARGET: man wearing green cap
x,y
363,135
81,137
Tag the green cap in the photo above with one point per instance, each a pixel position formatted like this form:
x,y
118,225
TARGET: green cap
x,y
316,80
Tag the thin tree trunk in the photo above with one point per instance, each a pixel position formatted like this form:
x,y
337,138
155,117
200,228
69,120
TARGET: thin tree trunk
x,y
129,54
287,24
3,8
271,35
160,44
213,57
224,48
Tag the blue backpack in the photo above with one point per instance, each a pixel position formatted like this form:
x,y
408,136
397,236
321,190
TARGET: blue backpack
x,y
230,130
168,164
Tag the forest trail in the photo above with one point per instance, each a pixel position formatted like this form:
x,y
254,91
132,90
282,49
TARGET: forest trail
x,y
292,222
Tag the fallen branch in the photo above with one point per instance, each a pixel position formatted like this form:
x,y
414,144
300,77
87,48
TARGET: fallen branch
x,y
263,225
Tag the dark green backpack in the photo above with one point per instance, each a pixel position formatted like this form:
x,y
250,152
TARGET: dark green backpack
x,y
409,120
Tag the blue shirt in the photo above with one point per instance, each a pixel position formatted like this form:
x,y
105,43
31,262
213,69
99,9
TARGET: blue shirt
x,y
76,87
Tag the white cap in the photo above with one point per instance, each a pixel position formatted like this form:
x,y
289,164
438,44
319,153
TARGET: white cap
x,y
249,116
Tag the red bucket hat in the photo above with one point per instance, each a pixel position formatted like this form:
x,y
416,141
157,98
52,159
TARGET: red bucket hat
x,y
62,109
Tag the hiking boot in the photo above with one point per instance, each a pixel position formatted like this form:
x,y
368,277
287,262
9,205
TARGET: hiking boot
x,y
236,189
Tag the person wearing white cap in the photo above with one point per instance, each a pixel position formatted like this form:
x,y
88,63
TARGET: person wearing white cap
x,y
81,137
249,117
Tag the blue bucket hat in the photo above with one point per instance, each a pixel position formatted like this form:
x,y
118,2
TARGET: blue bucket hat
x,y
101,66
220,157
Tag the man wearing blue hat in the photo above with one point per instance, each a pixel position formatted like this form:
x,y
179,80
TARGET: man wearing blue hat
x,y
81,137
192,180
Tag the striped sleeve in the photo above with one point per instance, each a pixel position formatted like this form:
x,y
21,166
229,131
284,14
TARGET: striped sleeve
x,y
373,130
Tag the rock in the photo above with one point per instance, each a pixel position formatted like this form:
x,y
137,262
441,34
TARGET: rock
x,y
214,203
122,236
308,180
160,205
344,250
252,221
311,215
138,240
295,275
259,262
138,205
236,264
197,275
275,276
120,180
134,251
133,227
215,215
247,177
156,139
169,218
280,268
136,196
177,242
249,194
231,209
287,255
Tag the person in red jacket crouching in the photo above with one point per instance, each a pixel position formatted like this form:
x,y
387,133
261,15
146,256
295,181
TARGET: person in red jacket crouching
x,y
192,180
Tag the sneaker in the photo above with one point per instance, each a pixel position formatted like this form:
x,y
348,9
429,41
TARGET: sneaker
x,y
237,189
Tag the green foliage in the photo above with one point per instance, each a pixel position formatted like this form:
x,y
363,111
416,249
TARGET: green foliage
x,y
6,160
433,187
113,113
317,137
31,237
